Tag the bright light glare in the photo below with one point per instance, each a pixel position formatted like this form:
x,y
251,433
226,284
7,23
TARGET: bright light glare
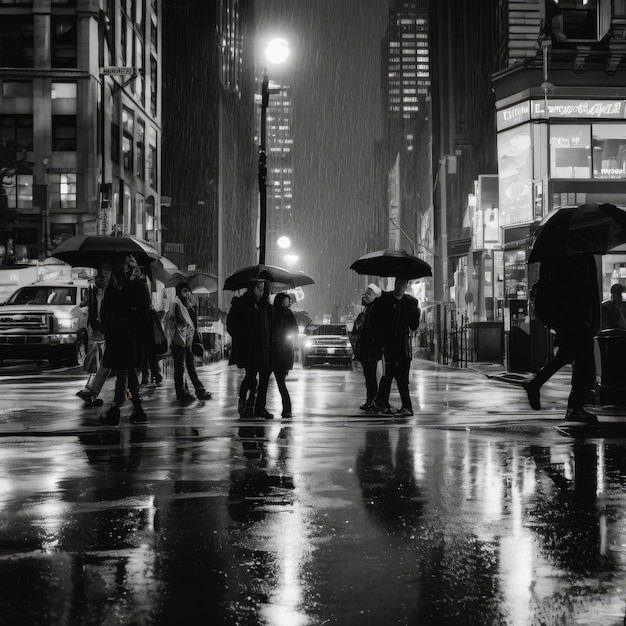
x,y
291,259
277,51
283,242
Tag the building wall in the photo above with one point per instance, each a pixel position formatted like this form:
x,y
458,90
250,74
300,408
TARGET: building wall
x,y
50,55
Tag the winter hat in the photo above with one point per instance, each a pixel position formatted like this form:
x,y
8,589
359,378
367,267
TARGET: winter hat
x,y
375,289
180,287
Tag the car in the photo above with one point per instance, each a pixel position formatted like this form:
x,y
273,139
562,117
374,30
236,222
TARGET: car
x,y
46,320
326,344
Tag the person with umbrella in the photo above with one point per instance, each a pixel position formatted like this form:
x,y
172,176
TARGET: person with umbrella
x,y
248,323
395,314
284,331
181,330
123,313
366,349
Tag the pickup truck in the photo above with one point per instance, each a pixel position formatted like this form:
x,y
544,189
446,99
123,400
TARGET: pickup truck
x,y
45,320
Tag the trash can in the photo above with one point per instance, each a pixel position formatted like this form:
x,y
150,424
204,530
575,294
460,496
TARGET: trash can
x,y
612,370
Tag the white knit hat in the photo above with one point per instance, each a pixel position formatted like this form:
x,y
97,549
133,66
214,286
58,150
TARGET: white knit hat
x,y
375,289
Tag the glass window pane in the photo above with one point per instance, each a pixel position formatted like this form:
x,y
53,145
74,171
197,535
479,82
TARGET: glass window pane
x,y
609,151
570,151
63,90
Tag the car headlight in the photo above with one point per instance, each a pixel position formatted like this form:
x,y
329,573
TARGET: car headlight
x,y
67,323
308,343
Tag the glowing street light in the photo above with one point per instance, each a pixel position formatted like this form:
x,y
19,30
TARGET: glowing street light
x,y
283,242
276,51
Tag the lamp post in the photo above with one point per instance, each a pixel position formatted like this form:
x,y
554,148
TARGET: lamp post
x,y
276,51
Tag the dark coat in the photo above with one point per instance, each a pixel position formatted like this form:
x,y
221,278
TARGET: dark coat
x,y
392,319
248,323
367,349
123,316
283,334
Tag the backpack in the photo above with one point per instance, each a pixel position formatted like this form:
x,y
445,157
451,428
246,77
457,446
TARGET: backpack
x,y
543,303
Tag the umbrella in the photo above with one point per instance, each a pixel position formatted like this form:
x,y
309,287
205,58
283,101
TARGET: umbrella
x,y
93,250
162,269
279,277
197,281
590,228
392,263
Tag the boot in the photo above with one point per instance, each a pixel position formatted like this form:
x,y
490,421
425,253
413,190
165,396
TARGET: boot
x,y
112,416
138,416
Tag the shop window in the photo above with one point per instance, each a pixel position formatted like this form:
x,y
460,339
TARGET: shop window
x,y
64,41
60,232
16,41
64,133
570,151
609,151
67,191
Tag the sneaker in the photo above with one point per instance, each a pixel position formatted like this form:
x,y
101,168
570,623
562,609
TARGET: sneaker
x,y
158,380
380,409
203,394
88,398
286,415
403,412
145,381
581,415
112,416
366,406
185,397
532,391
138,416
265,414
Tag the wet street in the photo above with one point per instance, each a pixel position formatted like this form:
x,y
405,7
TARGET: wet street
x,y
476,510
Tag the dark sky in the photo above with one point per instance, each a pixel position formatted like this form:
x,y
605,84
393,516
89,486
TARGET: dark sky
x,y
335,72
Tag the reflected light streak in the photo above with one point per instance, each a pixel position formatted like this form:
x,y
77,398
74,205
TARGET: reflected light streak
x,y
600,476
492,486
516,577
417,445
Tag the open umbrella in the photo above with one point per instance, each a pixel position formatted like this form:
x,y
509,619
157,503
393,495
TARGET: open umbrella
x,y
93,250
395,263
197,281
278,277
591,228
162,269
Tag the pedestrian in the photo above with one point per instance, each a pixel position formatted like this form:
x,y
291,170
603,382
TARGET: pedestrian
x,y
366,349
614,309
123,314
151,370
568,302
90,392
181,326
248,323
283,334
395,314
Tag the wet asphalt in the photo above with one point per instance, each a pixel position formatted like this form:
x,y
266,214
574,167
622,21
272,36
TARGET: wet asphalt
x,y
476,510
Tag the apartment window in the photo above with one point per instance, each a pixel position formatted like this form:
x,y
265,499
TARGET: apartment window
x,y
16,41
17,89
16,134
141,150
127,139
151,161
67,191
64,133
19,191
64,41
63,90
153,85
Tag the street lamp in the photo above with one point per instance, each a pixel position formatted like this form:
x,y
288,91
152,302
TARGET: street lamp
x,y
276,51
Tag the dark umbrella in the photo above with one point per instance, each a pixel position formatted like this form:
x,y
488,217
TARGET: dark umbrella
x,y
395,263
590,228
196,280
93,250
162,269
279,277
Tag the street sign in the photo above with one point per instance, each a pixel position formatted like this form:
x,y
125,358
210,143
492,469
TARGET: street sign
x,y
117,71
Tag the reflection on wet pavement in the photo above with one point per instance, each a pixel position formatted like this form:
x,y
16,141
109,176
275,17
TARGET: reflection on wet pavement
x,y
326,518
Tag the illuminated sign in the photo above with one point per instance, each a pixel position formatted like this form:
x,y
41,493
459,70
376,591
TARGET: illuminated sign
x,y
561,109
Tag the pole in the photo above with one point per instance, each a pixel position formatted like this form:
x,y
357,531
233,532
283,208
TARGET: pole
x,y
265,97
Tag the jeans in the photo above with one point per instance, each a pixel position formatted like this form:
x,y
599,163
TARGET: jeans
x,y
183,357
282,388
371,387
400,371
126,379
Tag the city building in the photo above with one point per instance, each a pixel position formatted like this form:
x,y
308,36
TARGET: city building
x,y
80,123
561,139
209,153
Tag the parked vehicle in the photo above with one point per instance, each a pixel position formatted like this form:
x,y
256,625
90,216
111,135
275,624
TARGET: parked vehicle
x,y
46,320
326,344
